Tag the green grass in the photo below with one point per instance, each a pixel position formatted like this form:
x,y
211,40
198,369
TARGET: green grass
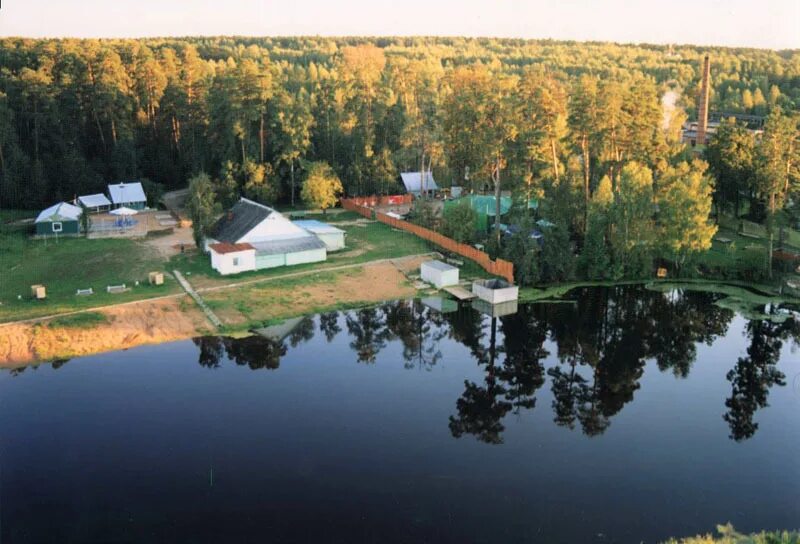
x,y
730,223
78,321
65,265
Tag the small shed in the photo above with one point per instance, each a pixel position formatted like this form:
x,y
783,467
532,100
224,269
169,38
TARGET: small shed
x,y
130,195
415,184
61,218
332,237
495,291
439,274
227,258
95,203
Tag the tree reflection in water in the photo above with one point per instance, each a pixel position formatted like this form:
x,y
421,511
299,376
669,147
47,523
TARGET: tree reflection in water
x,y
419,330
602,338
254,351
753,376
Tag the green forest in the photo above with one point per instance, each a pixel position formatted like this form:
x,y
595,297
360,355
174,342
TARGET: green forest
x,y
578,126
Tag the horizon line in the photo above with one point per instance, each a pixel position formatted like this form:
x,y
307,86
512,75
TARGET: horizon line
x,y
401,36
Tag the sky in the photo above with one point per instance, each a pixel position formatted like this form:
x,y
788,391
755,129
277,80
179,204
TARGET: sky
x,y
771,24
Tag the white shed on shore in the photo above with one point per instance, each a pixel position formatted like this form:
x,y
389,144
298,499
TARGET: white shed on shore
x,y
439,274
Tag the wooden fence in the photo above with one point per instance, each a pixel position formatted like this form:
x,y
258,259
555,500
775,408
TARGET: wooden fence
x,y
499,267
382,200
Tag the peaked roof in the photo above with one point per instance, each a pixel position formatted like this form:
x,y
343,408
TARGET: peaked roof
x,y
413,182
239,220
93,201
60,212
122,193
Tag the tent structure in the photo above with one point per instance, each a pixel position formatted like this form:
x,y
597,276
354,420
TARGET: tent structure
x,y
486,207
95,203
130,195
61,218
414,185
123,211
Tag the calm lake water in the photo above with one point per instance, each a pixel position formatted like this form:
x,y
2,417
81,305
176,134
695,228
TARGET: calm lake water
x,y
622,415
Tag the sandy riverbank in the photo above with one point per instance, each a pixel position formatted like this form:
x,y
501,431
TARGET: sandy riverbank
x,y
166,320
127,326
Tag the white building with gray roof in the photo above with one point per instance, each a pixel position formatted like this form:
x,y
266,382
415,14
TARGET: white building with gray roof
x,y
252,236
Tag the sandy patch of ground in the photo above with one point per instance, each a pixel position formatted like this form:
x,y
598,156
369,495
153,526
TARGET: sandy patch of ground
x,y
266,301
170,244
128,326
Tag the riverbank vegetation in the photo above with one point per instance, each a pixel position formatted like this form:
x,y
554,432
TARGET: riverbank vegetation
x,y
728,535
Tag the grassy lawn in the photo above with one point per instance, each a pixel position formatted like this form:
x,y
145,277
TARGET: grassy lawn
x,y
370,242
63,266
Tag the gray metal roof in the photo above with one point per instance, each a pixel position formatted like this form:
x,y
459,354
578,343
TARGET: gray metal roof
x,y
413,182
94,201
287,245
317,227
125,193
239,220
60,212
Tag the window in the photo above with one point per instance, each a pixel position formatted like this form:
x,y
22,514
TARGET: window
x,y
57,226
236,261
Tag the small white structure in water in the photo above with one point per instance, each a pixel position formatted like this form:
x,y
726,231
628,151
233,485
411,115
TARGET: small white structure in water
x,y
439,274
495,291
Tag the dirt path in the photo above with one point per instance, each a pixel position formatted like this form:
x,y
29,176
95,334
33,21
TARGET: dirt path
x,y
250,303
170,244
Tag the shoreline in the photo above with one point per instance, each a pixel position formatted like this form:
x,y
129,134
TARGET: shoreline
x,y
241,306
176,317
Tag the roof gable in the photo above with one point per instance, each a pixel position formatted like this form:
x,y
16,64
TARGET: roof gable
x,y
122,193
239,220
413,182
60,212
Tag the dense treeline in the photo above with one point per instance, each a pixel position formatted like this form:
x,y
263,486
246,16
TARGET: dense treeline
x,y
250,111
583,128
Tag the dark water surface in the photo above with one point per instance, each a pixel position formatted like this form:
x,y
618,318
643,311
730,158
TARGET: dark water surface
x,y
623,415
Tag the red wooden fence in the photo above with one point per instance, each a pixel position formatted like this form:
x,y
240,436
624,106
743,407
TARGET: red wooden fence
x,y
499,267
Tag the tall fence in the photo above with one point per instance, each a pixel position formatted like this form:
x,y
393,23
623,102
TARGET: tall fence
x,y
499,267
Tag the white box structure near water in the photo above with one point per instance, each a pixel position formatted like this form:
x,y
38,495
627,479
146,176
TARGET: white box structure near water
x,y
439,274
495,291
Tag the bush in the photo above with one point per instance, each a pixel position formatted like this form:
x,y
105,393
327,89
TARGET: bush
x,y
459,223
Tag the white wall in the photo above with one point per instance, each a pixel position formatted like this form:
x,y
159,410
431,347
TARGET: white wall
x,y
440,278
332,240
309,256
223,262
275,226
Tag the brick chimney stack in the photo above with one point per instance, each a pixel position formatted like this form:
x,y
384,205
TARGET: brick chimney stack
x,y
702,107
